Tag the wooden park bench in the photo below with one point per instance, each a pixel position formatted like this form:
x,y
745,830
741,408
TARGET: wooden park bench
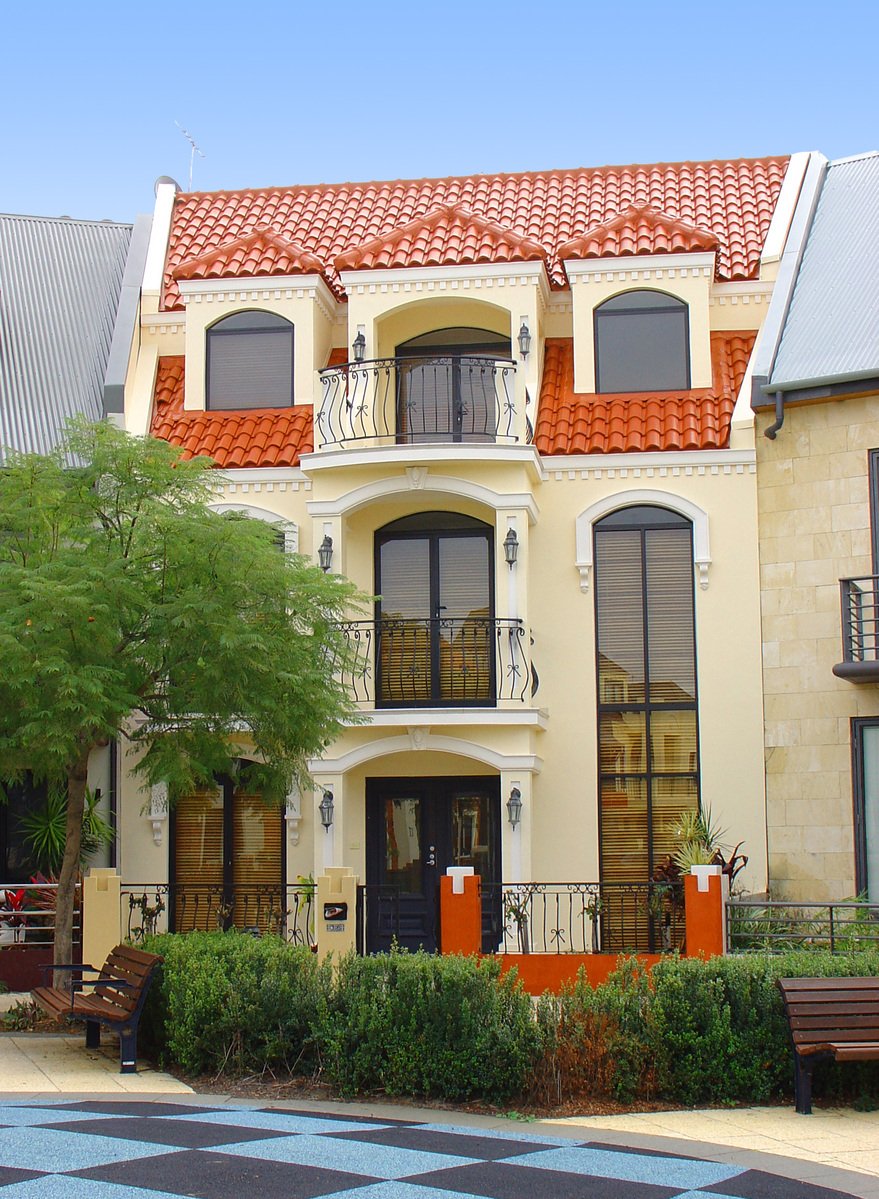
x,y
116,998
829,1017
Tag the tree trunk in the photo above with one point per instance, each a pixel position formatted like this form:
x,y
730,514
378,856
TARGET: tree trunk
x,y
77,777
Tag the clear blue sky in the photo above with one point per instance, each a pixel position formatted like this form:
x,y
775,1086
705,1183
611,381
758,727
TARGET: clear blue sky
x,y
281,93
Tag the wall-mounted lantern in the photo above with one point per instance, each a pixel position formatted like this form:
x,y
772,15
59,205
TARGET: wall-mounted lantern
x,y
325,553
524,339
325,808
359,346
514,806
511,548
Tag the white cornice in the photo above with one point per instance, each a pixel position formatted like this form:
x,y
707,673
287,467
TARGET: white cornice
x,y
277,287
253,480
426,455
745,293
640,266
669,464
419,479
163,322
419,279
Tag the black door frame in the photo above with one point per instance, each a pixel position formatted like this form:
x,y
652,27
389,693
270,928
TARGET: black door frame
x,y
386,915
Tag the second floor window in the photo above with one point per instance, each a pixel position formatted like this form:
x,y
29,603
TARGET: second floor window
x,y
642,343
249,362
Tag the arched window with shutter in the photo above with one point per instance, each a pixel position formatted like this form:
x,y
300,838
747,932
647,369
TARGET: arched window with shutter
x,y
642,343
249,362
648,732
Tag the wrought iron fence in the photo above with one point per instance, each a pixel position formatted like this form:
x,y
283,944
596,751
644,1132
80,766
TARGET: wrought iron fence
x,y
395,662
288,911
418,400
587,917
27,914
859,606
776,927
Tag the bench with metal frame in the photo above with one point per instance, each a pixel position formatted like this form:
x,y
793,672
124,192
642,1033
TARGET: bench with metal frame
x,y
116,998
829,1018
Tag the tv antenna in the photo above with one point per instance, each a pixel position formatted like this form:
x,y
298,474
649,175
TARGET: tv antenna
x,y
195,150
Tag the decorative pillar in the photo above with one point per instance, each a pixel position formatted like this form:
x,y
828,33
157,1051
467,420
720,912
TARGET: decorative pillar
x,y
460,911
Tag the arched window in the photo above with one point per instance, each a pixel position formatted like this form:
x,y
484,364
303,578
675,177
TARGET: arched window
x,y
642,343
647,710
249,362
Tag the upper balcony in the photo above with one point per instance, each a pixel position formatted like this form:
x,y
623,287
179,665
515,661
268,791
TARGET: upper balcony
x,y
859,603
421,400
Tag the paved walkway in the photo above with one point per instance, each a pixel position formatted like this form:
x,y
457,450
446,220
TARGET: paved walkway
x,y
68,1130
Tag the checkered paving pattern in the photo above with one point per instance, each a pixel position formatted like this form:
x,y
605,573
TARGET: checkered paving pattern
x,y
131,1150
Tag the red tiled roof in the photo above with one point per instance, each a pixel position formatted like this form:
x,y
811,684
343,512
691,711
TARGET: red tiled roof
x,y
258,437
639,231
734,200
261,252
444,236
638,422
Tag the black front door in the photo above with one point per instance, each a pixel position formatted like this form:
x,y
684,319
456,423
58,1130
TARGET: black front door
x,y
416,829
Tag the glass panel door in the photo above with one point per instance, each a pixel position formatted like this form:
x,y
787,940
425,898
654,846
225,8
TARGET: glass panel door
x,y
198,861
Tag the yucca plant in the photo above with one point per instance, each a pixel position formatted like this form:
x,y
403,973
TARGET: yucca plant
x,y
45,830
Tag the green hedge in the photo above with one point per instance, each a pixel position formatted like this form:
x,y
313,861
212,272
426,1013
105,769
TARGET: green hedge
x,y
692,1032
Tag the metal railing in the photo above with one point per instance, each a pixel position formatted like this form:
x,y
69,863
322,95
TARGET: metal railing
x,y
859,607
416,663
776,927
587,917
428,399
288,911
27,914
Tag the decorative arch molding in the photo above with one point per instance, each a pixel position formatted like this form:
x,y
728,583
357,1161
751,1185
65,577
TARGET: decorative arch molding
x,y
418,738
287,527
697,516
419,478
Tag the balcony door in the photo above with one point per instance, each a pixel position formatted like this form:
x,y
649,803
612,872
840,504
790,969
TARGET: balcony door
x,y
435,616
447,387
415,829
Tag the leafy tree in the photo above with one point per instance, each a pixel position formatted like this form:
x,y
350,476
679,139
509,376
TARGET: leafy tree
x,y
130,609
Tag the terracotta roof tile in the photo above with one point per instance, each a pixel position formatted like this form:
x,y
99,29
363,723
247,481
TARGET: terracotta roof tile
x,y
734,200
257,437
639,231
447,235
258,253
639,422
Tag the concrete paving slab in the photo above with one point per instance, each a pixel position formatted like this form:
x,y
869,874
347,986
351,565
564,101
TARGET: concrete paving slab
x,y
37,1063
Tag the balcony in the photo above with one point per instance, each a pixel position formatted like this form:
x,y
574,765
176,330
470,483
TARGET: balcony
x,y
467,662
420,400
859,605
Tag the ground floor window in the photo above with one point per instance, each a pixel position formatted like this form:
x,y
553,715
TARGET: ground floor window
x,y
227,861
865,789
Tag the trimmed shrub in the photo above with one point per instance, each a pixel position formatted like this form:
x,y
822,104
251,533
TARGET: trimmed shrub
x,y
226,1001
417,1024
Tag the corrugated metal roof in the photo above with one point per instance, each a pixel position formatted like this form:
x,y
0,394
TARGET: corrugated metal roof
x,y
59,289
830,334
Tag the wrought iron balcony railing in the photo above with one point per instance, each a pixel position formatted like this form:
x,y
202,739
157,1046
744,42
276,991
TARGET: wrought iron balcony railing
x,y
430,400
859,606
475,661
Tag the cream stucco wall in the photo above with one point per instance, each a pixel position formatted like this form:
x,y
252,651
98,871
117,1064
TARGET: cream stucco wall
x,y
814,530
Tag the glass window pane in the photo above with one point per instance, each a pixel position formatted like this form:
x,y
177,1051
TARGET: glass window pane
x,y
641,350
628,300
622,743
403,844
624,833
671,656
619,593
471,834
198,860
671,798
673,742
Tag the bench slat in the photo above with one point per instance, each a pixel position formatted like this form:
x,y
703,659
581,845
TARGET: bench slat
x,y
854,983
838,1020
864,1007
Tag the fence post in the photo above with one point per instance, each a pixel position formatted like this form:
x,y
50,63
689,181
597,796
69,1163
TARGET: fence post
x,y
460,911
101,914
336,918
706,891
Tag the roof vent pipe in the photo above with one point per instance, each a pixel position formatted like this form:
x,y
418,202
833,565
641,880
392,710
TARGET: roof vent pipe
x,y
166,179
779,417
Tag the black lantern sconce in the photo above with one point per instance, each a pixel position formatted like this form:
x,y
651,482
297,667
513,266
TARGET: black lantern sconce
x,y
524,339
325,808
511,548
514,806
359,346
325,553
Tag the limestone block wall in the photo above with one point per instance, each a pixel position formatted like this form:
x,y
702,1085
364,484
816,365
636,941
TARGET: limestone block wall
x,y
814,520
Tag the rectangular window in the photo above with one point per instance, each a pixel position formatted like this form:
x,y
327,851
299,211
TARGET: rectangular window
x,y
865,789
